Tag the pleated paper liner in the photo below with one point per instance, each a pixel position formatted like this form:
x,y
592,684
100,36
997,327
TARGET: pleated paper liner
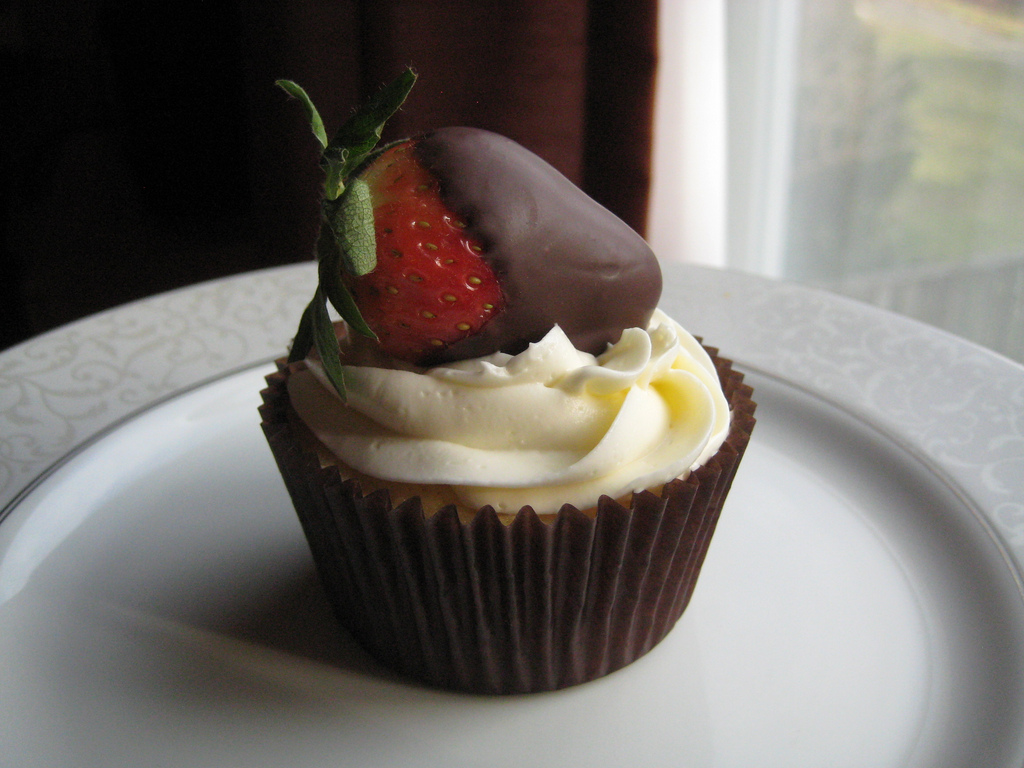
x,y
486,606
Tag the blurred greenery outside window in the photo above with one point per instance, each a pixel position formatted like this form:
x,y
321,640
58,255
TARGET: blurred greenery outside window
x,y
910,130
876,149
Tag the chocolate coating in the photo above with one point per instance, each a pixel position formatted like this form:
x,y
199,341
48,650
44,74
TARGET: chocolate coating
x,y
561,257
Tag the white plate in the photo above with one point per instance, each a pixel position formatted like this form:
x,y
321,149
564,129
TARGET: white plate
x,y
861,604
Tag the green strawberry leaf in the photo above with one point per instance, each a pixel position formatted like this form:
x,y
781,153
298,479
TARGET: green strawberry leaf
x,y
303,341
350,219
334,287
327,344
296,91
360,133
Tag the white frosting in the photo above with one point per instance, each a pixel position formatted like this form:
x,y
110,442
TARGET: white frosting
x,y
544,427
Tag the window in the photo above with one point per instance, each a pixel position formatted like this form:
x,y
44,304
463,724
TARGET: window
x,y
874,148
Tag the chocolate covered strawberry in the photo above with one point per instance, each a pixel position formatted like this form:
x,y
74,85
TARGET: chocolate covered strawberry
x,y
460,243
560,257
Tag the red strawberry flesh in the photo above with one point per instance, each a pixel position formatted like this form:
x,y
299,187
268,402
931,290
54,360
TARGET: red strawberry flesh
x,y
431,287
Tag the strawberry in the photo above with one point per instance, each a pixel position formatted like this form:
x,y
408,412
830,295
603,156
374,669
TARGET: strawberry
x,y
430,287
460,243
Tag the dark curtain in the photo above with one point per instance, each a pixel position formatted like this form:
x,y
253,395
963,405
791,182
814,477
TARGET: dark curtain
x,y
146,147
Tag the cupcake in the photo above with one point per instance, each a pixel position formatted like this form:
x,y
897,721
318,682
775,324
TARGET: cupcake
x,y
507,461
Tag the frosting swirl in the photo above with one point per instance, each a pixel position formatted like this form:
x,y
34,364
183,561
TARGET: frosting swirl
x,y
547,426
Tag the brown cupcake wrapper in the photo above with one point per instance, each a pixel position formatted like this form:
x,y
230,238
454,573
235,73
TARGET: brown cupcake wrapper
x,y
489,607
